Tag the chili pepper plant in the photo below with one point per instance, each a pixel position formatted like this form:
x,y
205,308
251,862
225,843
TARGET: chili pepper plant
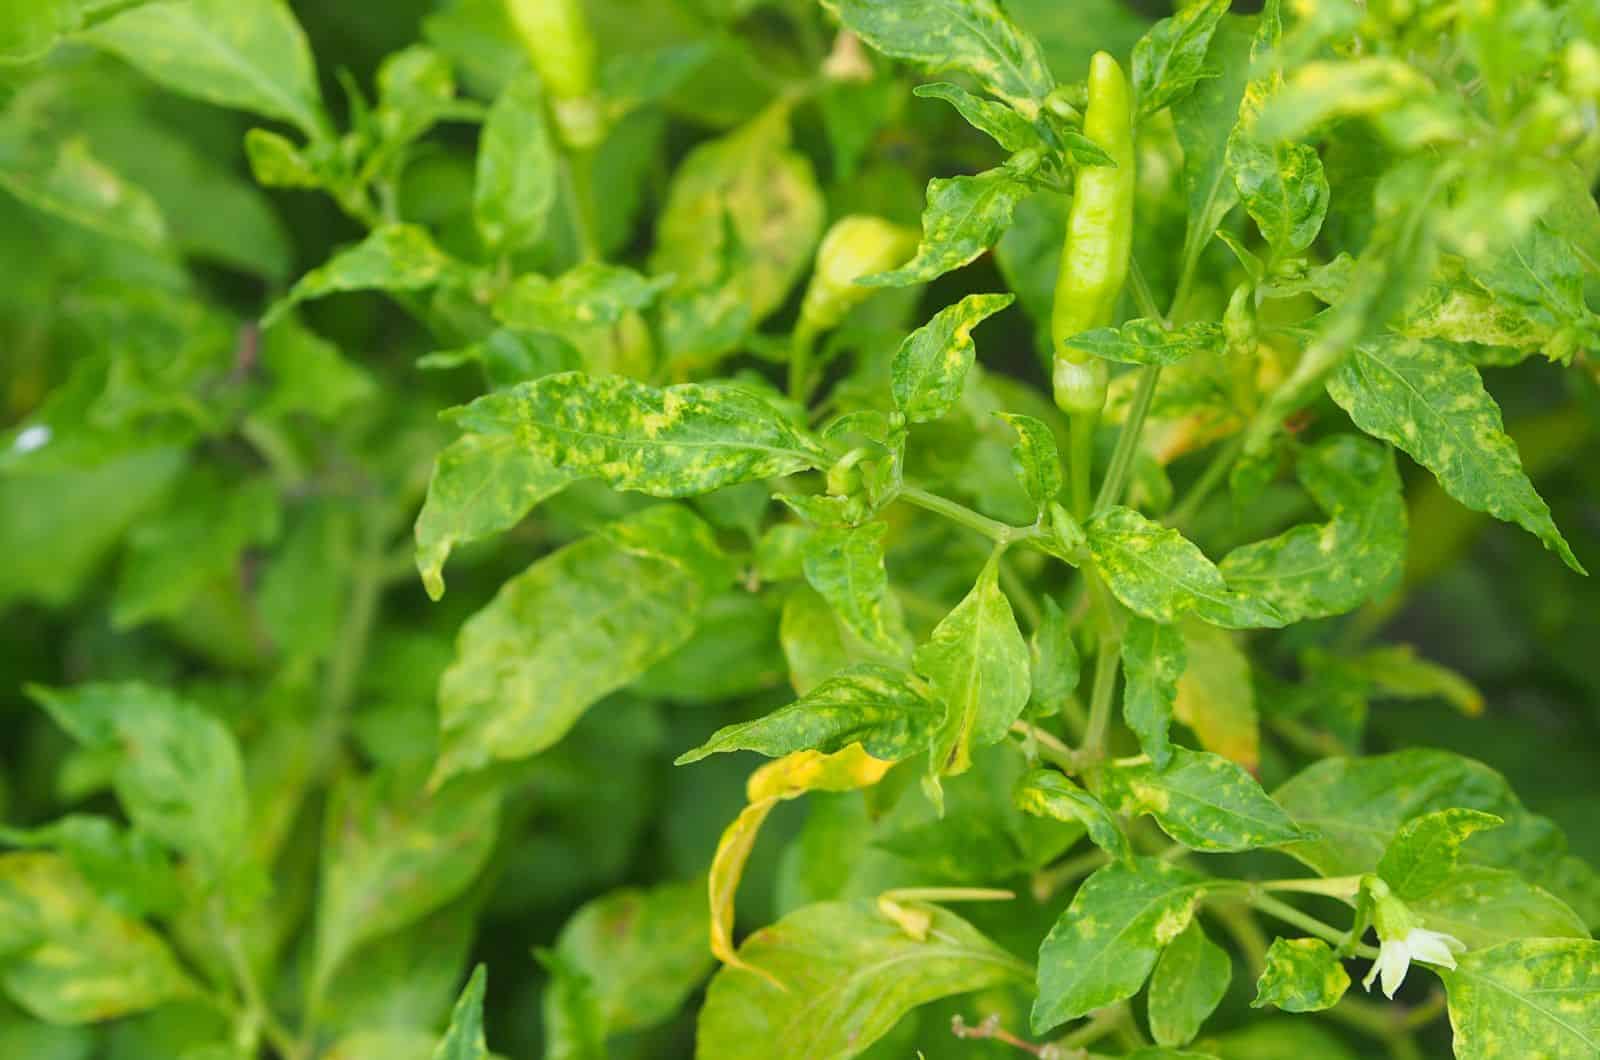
x,y
760,530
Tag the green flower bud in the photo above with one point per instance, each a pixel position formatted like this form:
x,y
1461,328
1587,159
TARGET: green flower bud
x,y
557,39
854,247
1070,537
1239,322
1581,64
1080,387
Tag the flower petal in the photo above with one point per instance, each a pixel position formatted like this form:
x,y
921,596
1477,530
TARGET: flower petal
x,y
1434,947
1394,959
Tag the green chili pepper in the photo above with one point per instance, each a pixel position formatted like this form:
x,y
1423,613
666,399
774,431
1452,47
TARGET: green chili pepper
x,y
1094,258
556,36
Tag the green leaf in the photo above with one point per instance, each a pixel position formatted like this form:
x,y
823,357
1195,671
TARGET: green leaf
x,y
1540,276
1105,944
392,854
883,709
996,120
587,295
64,178
310,375
848,975
1202,800
1283,188
1056,667
1427,399
643,952
1188,984
1484,907
972,36
1216,695
673,442
1301,975
573,1026
1535,997
516,184
482,485
126,868
1046,793
249,54
1035,459
965,216
1204,119
196,542
1153,659
930,367
1170,59
1159,574
845,565
1314,571
1424,853
177,770
463,1039
978,662
751,192
396,257
1142,341
574,627
67,957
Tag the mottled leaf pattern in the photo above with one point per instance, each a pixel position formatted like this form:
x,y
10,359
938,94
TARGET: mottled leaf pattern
x,y
1283,188
1203,119
1001,123
1202,800
1056,666
1314,571
883,709
965,216
482,485
1188,984
1535,997
1216,695
673,442
1153,659
587,295
517,168
1035,459
1143,341
1302,975
1106,943
396,257
1159,574
977,661
847,975
845,565
572,628
1046,793
1427,399
1170,60
972,36
1482,907
1423,854
930,368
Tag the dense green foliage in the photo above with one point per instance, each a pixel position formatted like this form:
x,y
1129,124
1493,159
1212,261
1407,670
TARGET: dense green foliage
x,y
545,526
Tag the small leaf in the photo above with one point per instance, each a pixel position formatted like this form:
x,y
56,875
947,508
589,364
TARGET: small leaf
x,y
845,565
1429,400
1534,997
1144,341
516,183
1203,120
930,368
396,257
972,36
1153,659
1423,854
463,1040
1036,460
1160,574
574,627
1216,695
996,120
674,442
126,868
847,975
587,295
1203,801
67,958
1283,188
1056,667
249,54
482,485
1046,793
1105,944
65,179
978,662
965,216
1170,60
1188,984
881,708
1301,975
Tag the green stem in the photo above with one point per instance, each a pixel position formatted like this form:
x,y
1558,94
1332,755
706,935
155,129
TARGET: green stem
x,y
1209,479
1080,459
577,170
276,449
1021,596
1128,441
1306,922
1046,882
1050,747
801,343
1105,682
996,531
1344,887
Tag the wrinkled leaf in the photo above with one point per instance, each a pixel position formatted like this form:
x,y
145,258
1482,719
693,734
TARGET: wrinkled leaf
x,y
1301,975
930,368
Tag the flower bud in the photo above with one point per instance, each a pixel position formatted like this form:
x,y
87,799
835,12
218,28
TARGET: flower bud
x,y
1239,322
854,247
1070,538
557,39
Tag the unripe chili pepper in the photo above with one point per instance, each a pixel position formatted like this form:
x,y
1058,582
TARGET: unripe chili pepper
x,y
556,36
854,247
1095,256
